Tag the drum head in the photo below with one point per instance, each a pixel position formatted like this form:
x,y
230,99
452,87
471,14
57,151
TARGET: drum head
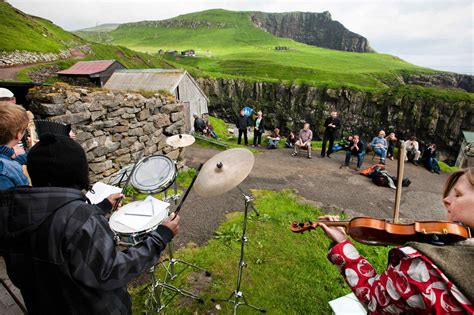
x,y
153,174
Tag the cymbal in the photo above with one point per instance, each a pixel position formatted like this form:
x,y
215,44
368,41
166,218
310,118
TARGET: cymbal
x,y
180,141
224,171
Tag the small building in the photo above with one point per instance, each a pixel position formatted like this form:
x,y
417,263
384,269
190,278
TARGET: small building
x,y
171,52
188,53
177,82
466,153
90,73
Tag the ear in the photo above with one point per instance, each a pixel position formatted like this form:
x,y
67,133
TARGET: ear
x,y
19,135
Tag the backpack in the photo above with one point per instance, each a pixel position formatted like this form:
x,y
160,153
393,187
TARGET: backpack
x,y
370,170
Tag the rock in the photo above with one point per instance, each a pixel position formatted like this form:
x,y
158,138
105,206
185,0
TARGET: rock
x,y
171,108
135,132
173,129
100,167
177,116
144,114
124,159
48,109
173,155
161,120
72,118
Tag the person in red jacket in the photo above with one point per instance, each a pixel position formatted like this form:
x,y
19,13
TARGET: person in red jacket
x,y
420,278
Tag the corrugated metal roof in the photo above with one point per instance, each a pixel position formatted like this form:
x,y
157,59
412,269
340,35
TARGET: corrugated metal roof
x,y
469,135
88,67
145,79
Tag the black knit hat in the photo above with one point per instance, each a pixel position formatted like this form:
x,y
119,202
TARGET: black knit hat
x,y
58,161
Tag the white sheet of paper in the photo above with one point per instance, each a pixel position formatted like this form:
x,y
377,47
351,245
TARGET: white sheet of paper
x,y
101,191
150,206
136,222
347,305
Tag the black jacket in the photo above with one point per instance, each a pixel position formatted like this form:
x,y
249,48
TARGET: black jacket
x,y
242,122
60,252
360,145
261,128
330,130
199,124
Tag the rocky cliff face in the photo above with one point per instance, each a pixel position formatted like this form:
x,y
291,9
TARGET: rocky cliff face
x,y
288,107
316,29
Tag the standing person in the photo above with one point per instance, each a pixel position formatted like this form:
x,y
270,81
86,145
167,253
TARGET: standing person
x,y
331,124
355,148
429,158
413,150
274,139
304,140
242,125
380,146
13,124
60,252
420,278
259,129
392,142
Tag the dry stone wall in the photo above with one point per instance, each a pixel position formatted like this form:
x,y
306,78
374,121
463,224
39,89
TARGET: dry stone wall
x,y
112,127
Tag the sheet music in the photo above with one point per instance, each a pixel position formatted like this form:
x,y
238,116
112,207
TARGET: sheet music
x,y
137,214
133,221
347,305
101,191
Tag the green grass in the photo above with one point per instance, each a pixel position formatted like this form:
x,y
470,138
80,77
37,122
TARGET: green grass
x,y
229,45
19,31
286,273
445,168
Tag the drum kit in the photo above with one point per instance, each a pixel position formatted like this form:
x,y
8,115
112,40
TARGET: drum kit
x,y
157,174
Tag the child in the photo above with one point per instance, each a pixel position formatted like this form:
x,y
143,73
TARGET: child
x,y
274,139
12,127
420,278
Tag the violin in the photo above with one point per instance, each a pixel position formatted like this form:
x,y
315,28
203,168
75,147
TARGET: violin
x,y
373,231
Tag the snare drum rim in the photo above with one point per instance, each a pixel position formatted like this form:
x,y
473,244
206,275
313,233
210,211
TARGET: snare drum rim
x,y
167,183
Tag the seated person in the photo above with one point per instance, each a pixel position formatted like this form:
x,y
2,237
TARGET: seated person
x,y
355,148
199,124
12,128
290,140
304,140
380,146
61,252
274,139
392,143
413,150
429,159
209,129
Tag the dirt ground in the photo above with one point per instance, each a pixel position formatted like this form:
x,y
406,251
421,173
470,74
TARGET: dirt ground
x,y
320,181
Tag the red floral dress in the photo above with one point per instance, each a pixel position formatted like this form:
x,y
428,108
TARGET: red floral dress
x,y
410,283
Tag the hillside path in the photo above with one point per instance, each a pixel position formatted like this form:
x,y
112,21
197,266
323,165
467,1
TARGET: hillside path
x,y
9,73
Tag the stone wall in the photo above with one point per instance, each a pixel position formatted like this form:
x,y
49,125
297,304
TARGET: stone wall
x,y
27,57
112,127
432,119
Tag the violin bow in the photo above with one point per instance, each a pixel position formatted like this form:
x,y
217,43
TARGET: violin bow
x,y
398,193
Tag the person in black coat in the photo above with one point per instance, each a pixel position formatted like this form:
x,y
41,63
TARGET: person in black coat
x,y
259,129
242,124
331,124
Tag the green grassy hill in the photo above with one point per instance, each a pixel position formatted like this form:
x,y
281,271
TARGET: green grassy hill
x,y
20,31
228,44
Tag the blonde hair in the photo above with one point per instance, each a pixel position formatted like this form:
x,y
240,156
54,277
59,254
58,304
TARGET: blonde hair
x,y
14,120
454,177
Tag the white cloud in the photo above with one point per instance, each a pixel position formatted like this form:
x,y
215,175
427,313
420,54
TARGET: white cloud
x,y
437,29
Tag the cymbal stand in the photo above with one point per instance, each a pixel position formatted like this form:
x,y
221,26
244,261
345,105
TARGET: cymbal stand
x,y
237,297
169,263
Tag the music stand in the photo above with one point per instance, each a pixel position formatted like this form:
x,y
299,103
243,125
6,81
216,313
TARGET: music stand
x,y
237,297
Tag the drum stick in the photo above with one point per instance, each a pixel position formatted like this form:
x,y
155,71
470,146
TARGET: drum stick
x,y
187,192
128,180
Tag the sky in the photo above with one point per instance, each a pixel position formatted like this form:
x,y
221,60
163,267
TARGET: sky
x,y
438,34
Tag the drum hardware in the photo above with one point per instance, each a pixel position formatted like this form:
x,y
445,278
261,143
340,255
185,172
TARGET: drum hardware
x,y
218,175
237,297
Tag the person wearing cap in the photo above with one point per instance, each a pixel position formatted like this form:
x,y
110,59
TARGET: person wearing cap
x,y
199,124
12,128
59,249
6,96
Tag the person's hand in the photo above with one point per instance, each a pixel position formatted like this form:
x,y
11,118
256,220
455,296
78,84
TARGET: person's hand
x,y
172,223
336,233
17,150
115,198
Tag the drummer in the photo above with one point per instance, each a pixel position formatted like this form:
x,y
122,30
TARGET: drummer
x,y
60,251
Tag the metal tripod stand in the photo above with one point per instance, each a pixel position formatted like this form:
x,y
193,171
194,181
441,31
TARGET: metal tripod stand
x,y
169,263
237,297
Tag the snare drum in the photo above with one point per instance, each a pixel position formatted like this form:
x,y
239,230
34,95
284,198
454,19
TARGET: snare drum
x,y
154,174
131,230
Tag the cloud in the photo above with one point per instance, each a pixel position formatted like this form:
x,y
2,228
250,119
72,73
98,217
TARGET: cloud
x,y
431,28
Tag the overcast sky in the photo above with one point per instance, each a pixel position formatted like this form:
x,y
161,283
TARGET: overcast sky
x,y
438,34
